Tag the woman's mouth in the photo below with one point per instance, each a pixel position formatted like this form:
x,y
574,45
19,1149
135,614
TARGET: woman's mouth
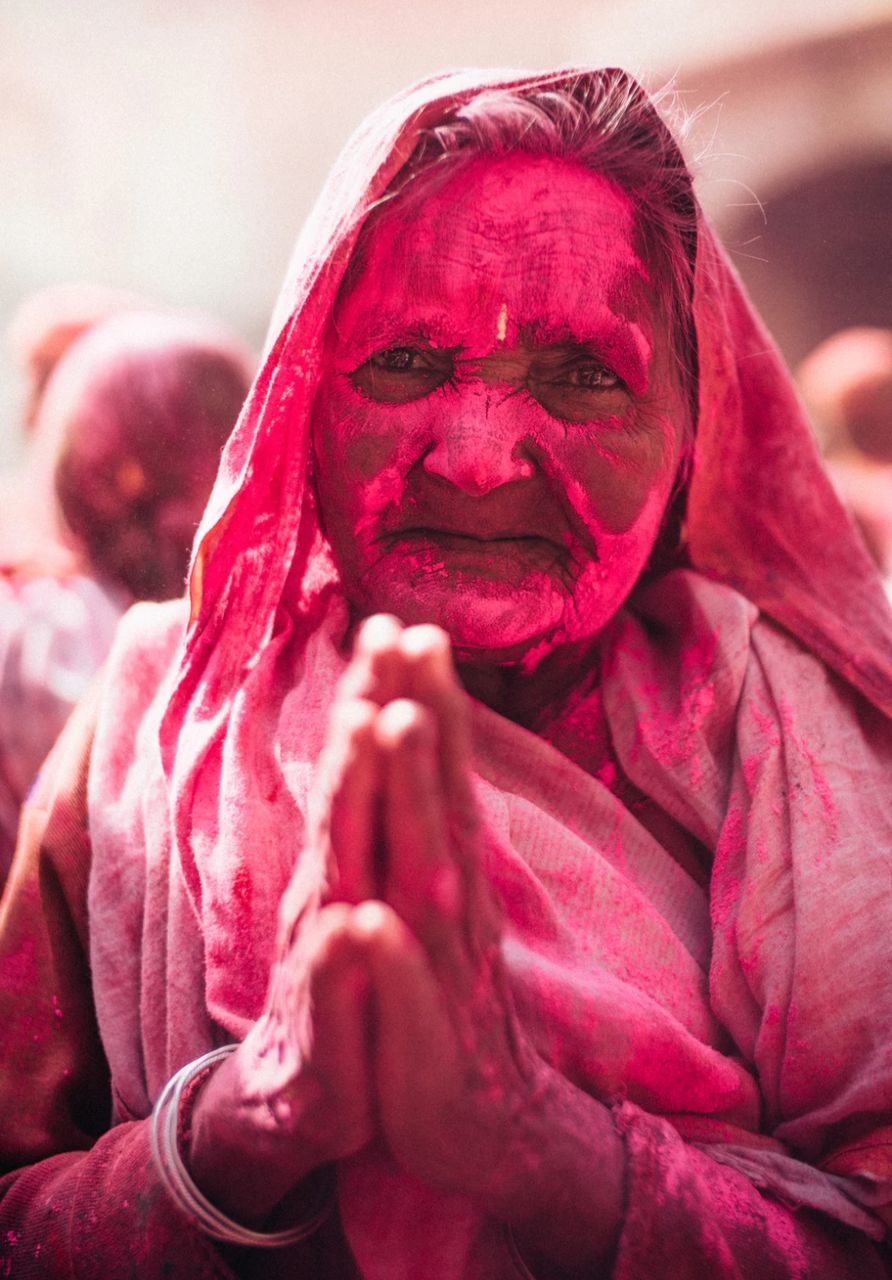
x,y
494,554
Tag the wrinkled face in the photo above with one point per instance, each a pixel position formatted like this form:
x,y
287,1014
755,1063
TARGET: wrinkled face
x,y
497,429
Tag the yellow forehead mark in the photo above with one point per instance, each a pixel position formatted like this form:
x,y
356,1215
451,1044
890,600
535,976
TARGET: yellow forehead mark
x,y
502,322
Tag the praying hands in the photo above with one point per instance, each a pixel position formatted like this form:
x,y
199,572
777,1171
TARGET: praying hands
x,y
389,1014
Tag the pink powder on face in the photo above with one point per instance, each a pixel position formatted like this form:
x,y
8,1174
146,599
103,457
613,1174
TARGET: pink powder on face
x,y
497,427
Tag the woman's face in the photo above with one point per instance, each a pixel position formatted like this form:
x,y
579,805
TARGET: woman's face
x,y
498,425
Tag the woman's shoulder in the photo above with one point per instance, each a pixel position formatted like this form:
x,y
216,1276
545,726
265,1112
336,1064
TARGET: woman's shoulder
x,y
685,638
138,672
148,639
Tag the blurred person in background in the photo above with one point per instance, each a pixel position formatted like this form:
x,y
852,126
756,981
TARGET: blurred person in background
x,y
846,383
485,873
125,440
41,331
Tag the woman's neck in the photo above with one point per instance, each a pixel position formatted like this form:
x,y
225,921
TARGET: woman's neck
x,y
529,695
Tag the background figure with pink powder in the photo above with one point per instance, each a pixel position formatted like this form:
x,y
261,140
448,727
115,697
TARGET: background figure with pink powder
x,y
127,407
847,386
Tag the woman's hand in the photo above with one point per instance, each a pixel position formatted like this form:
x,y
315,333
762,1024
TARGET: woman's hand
x,y
297,1093
453,1074
463,1100
390,1011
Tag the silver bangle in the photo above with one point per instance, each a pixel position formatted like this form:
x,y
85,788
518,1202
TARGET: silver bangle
x,y
516,1257
183,1191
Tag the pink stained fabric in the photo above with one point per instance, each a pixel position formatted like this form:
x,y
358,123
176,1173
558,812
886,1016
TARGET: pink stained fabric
x,y
55,633
747,699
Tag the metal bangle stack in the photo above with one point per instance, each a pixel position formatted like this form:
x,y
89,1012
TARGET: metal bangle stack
x,y
183,1191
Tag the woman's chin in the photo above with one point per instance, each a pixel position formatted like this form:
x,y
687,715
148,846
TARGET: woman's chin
x,y
496,626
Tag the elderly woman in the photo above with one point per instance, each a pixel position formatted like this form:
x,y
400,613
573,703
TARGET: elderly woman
x,y
585,974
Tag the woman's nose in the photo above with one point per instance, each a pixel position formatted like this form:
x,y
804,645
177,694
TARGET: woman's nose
x,y
478,441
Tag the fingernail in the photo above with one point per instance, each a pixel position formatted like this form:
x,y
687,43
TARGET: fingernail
x,y
368,918
378,632
428,641
403,719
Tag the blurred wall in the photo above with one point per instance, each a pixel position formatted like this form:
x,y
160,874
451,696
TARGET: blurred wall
x,y
174,148
799,182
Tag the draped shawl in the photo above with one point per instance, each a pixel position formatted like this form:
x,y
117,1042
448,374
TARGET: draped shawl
x,y
743,698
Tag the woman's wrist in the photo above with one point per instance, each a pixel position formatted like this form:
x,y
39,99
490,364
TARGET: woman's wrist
x,y
562,1194
235,1160
170,1133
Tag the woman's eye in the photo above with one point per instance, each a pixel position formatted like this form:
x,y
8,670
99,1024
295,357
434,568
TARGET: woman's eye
x,y
581,389
397,359
399,374
593,377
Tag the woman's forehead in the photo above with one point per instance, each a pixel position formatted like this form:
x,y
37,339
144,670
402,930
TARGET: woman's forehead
x,y
539,241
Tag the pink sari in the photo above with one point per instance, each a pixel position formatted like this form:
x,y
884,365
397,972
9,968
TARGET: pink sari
x,y
739,723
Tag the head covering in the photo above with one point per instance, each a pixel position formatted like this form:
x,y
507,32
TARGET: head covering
x,y
761,514
203,766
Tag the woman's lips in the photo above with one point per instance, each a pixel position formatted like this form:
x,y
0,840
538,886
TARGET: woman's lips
x,y
498,550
